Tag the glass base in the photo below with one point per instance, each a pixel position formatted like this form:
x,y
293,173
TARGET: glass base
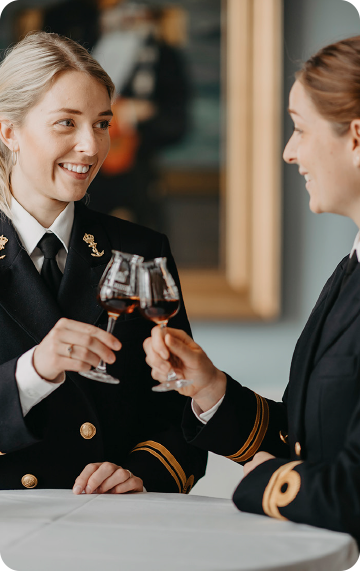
x,y
99,376
171,385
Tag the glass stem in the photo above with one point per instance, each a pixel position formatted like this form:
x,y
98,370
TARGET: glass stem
x,y
110,328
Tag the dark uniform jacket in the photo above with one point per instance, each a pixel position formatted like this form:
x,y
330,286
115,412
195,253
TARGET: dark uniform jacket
x,y
135,428
315,478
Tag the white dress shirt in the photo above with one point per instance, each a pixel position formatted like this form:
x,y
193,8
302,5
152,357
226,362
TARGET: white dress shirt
x,y
32,388
204,417
356,246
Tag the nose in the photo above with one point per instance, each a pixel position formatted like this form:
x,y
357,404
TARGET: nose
x,y
290,151
87,142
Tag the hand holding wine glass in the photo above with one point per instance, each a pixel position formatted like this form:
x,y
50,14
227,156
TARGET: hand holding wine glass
x,y
159,301
117,293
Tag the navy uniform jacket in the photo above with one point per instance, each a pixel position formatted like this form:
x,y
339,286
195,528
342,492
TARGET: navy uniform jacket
x,y
315,478
135,428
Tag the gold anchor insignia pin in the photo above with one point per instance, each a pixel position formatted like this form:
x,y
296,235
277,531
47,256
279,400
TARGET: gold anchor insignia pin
x,y
89,239
3,241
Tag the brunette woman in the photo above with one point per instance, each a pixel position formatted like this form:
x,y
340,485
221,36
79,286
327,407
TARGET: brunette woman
x,y
301,456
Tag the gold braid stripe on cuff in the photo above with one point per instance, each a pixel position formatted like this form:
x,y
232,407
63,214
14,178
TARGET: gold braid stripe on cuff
x,y
257,434
168,460
274,497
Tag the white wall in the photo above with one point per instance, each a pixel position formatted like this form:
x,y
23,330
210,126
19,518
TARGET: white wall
x,y
259,355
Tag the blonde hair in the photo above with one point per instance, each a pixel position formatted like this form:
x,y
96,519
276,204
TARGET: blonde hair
x,y
27,72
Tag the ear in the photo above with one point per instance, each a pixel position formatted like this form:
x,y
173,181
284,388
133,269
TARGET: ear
x,y
7,135
355,141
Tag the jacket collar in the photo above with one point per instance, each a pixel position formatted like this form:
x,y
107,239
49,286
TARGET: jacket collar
x,y
24,295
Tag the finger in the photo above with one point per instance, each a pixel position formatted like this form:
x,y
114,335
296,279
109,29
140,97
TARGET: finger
x,y
131,485
156,362
85,345
87,329
118,477
181,336
158,343
104,471
82,480
184,348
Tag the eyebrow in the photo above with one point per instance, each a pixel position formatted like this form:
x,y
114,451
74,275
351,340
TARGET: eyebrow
x,y
292,112
76,112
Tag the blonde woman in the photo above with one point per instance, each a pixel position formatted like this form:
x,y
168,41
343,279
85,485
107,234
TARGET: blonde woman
x,y
301,456
58,429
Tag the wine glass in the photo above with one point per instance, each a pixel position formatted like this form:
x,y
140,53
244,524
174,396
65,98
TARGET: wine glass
x,y
117,293
159,301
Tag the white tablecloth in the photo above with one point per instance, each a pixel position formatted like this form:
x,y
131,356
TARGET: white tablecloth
x,y
53,530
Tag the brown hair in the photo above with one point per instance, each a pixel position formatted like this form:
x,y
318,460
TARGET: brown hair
x,y
27,72
331,78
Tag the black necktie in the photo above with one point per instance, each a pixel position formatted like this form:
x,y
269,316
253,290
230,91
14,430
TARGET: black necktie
x,y
351,264
50,245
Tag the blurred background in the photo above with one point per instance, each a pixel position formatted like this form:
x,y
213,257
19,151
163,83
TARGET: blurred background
x,y
175,47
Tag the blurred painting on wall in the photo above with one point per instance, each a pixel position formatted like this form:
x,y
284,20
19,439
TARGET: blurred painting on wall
x,y
163,168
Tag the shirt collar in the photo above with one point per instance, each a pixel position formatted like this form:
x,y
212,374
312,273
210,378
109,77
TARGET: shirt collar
x,y
356,246
30,231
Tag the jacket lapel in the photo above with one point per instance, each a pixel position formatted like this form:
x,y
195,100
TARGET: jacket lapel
x,y
23,293
305,352
77,294
342,314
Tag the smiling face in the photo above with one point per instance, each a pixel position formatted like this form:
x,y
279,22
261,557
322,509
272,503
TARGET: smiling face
x,y
328,162
62,144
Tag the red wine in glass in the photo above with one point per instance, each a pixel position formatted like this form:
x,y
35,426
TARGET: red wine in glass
x,y
118,293
159,301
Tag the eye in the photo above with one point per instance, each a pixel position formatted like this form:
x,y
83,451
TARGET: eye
x,y
297,130
104,125
66,122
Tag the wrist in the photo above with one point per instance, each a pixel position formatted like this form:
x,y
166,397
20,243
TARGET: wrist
x,y
210,395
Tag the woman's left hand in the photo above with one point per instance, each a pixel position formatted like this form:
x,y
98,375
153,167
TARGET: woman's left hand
x,y
258,459
105,477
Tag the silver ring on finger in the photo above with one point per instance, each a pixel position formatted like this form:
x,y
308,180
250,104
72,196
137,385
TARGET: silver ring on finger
x,y
130,474
70,350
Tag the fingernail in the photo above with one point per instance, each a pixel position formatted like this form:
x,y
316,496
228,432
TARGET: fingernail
x,y
77,489
117,345
88,490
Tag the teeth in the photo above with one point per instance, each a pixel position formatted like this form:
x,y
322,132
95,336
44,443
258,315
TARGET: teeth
x,y
76,168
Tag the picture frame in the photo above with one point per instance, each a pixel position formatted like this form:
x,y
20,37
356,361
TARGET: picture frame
x,y
246,286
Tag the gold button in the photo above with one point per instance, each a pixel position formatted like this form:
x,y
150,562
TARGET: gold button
x,y
283,437
29,481
87,430
298,449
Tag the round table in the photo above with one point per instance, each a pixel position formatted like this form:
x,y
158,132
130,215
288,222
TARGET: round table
x,y
53,530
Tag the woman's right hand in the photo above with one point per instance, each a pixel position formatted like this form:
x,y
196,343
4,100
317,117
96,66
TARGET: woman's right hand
x,y
191,362
89,344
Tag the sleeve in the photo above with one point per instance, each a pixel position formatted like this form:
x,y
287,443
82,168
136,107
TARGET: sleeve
x,y
163,459
32,388
244,424
204,417
323,494
15,431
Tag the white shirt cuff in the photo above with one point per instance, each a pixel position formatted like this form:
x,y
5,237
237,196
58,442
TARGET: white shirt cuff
x,y
32,387
204,417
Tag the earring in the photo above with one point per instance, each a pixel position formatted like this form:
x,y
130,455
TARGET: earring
x,y
14,157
